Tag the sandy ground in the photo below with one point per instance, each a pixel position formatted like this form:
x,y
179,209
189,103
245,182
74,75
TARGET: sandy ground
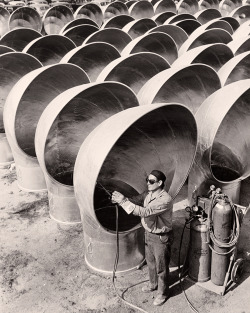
x,y
43,269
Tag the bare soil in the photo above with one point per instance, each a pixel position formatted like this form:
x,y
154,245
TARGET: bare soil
x,y
43,269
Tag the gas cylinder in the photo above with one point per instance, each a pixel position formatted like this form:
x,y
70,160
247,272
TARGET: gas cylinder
x,y
222,229
199,251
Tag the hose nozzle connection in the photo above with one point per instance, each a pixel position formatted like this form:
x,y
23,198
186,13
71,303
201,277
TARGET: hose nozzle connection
x,y
211,190
218,191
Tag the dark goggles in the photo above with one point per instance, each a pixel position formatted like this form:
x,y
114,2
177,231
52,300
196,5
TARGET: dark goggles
x,y
151,181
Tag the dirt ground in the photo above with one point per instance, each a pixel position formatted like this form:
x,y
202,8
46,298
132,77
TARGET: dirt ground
x,y
43,269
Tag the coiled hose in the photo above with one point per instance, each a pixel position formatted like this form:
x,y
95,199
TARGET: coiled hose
x,y
231,244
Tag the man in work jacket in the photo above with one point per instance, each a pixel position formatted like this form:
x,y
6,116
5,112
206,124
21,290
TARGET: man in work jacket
x,y
155,208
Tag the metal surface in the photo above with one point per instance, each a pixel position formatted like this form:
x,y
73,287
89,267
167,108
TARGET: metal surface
x,y
163,6
208,4
242,31
13,66
162,17
78,21
139,27
179,17
222,157
189,85
114,36
222,221
80,32
18,39
56,18
241,14
236,69
49,49
214,55
232,21
141,9
62,128
157,42
189,26
118,155
23,109
227,6
187,6
129,3
199,253
4,17
25,17
114,9
92,57
240,45
118,21
218,24
134,70
6,157
177,33
90,10
5,49
204,37
207,15
153,2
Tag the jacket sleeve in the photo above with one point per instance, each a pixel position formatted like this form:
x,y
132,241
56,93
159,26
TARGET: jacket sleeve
x,y
129,204
139,199
155,208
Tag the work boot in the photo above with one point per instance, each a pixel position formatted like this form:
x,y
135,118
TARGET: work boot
x,y
148,288
159,300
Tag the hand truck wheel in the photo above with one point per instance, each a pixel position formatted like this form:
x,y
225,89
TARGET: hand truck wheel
x,y
237,270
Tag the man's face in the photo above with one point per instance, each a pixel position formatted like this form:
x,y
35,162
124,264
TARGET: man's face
x,y
153,183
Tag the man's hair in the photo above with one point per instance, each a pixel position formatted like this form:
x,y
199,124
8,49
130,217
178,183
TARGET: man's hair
x,y
160,176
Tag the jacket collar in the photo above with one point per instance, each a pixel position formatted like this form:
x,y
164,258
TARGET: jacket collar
x,y
152,197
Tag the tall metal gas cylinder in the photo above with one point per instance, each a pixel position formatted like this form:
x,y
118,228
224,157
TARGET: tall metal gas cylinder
x,y
222,229
199,251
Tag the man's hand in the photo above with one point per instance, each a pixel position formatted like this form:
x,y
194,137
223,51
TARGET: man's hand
x,y
117,197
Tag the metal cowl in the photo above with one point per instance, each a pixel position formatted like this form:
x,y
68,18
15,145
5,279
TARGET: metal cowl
x,y
117,21
92,57
236,69
222,157
13,66
178,34
134,70
112,9
114,36
214,55
55,18
189,85
141,9
18,38
202,37
49,49
139,27
156,42
207,13
90,10
23,108
25,17
61,130
118,155
4,17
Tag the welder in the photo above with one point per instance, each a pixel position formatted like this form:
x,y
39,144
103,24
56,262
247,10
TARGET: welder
x,y
155,208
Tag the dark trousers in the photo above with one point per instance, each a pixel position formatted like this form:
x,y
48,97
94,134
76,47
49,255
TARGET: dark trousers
x,y
158,252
